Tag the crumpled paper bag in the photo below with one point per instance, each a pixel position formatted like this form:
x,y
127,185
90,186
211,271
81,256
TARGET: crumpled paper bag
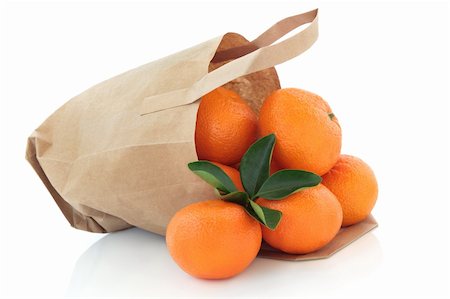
x,y
115,156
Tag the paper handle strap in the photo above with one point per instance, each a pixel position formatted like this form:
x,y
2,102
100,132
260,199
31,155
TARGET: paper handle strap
x,y
258,55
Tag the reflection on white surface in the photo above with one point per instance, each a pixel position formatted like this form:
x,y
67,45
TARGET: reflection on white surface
x,y
136,263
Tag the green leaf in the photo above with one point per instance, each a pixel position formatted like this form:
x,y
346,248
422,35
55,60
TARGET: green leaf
x,y
268,217
255,164
286,182
213,175
238,197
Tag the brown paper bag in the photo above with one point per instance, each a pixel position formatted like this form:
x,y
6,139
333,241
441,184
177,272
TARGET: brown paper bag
x,y
115,156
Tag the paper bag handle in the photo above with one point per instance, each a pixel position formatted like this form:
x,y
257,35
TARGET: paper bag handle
x,y
258,55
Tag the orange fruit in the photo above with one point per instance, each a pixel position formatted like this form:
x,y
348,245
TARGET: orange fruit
x,y
226,126
308,134
311,218
233,174
213,239
355,186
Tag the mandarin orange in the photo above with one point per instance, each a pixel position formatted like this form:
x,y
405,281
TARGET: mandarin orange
x,y
213,239
355,186
311,218
308,133
226,126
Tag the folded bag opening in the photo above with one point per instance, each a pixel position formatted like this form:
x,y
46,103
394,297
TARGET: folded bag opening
x,y
258,55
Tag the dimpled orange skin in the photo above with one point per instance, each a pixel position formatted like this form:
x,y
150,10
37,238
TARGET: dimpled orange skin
x,y
226,127
308,135
233,174
355,186
213,239
311,219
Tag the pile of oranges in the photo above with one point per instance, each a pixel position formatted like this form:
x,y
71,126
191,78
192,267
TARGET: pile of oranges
x,y
218,239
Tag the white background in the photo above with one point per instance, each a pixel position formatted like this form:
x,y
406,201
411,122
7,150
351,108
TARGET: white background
x,y
383,67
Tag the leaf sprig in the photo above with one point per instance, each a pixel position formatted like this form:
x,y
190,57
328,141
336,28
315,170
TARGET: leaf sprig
x,y
257,181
